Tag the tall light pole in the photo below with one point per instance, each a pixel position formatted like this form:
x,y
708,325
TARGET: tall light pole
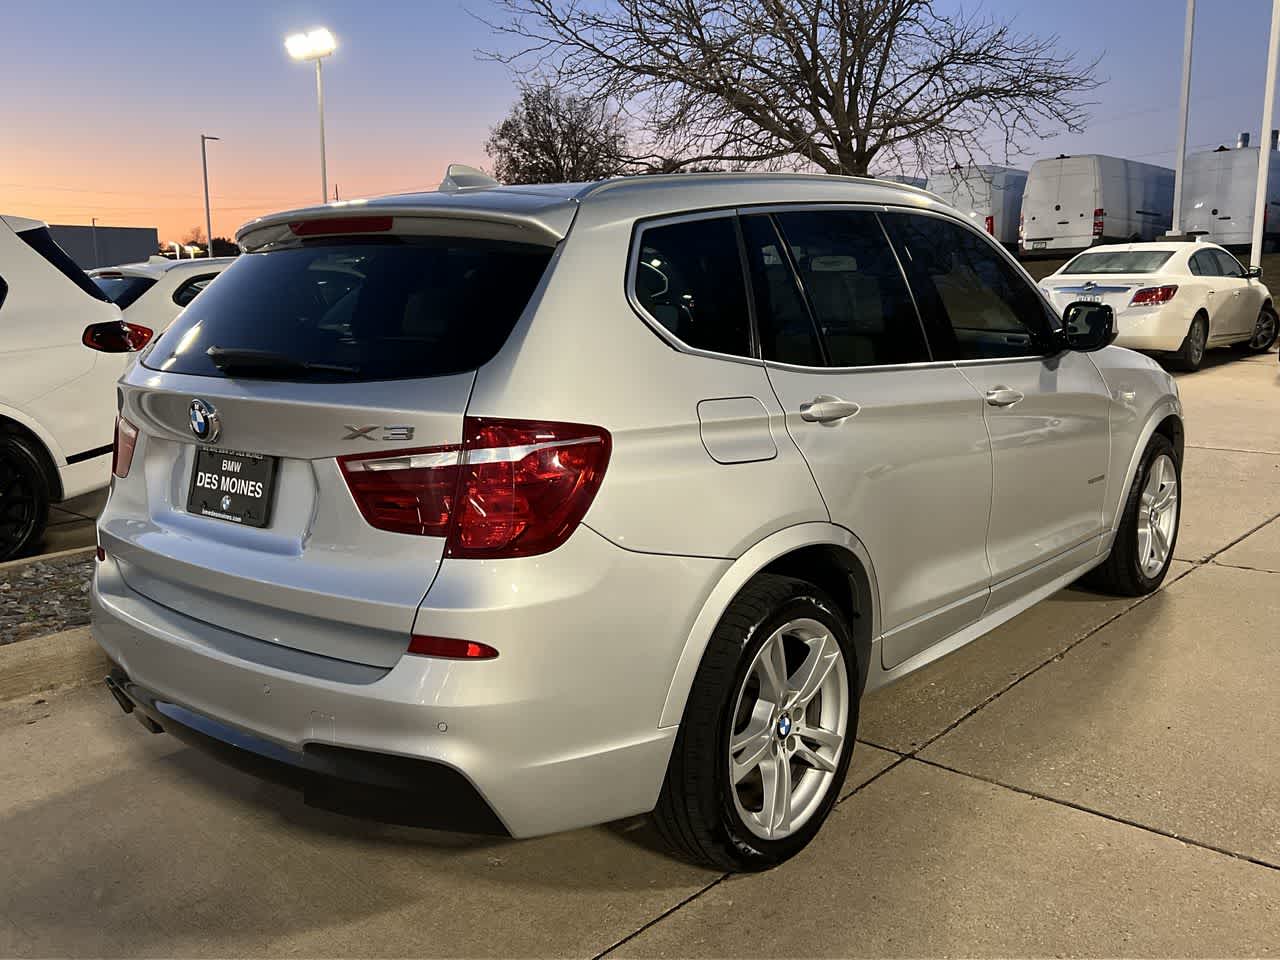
x,y
204,165
97,260
315,45
1186,105
1264,142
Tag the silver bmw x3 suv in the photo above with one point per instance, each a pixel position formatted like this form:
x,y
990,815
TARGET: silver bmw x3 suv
x,y
517,509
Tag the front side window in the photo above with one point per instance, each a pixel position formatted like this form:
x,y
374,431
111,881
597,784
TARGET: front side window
x,y
688,278
855,288
974,302
1228,265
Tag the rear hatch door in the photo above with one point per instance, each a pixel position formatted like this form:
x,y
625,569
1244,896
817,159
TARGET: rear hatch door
x,y
236,511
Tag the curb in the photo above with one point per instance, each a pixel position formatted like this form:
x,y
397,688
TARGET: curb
x,y
10,565
54,661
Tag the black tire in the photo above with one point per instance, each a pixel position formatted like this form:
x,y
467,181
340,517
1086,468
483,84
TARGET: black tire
x,y
1265,331
696,813
1121,574
24,496
1191,354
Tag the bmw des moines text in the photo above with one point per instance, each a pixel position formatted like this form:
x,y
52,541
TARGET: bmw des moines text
x,y
525,508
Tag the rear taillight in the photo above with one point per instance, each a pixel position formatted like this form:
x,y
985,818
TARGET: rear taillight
x,y
450,648
122,447
1153,296
513,488
1098,214
991,225
1022,227
116,336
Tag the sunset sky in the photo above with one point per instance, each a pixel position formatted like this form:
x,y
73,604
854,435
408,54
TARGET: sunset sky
x,y
104,103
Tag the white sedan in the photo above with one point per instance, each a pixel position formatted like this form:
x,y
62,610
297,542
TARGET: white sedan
x,y
153,293
1174,298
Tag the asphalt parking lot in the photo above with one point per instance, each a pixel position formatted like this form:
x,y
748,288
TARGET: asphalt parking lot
x,y
1096,777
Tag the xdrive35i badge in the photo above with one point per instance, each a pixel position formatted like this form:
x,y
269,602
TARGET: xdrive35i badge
x,y
205,423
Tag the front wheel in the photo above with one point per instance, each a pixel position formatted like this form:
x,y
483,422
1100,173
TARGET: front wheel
x,y
767,732
1143,547
1265,331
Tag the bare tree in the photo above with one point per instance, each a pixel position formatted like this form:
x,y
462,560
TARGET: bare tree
x,y
556,137
834,84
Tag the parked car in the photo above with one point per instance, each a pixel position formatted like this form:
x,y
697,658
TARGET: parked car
x,y
991,197
1172,299
62,348
560,504
1075,202
1218,193
155,292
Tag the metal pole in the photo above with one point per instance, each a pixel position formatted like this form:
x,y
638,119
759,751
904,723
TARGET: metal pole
x,y
324,173
1186,106
1264,141
97,260
208,216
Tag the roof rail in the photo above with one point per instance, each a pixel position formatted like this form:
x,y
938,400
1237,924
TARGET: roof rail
x,y
459,176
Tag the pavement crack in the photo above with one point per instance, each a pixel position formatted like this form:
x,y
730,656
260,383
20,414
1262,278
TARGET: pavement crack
x,y
1261,453
662,916
1114,818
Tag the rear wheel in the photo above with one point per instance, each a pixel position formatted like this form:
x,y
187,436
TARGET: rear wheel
x,y
1265,330
1143,548
24,497
767,732
1191,354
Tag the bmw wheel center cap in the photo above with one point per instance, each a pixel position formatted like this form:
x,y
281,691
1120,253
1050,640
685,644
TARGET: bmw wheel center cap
x,y
784,726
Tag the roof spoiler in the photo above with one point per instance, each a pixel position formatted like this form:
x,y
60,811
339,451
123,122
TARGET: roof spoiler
x,y
459,176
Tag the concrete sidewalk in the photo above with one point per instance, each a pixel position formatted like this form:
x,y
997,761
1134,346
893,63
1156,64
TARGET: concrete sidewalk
x,y
1097,777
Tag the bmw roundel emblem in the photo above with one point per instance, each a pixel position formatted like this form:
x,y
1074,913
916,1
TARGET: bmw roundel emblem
x,y
205,424
784,726
226,502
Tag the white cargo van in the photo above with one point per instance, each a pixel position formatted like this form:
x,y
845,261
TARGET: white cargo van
x,y
1075,202
1218,194
989,195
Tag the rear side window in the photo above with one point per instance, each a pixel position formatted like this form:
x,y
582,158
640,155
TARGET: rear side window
x,y
974,303
688,278
123,291
855,288
42,243
188,291
1204,264
1121,261
385,309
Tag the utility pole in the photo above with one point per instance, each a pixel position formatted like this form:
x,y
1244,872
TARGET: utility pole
x,y
97,259
208,216
1264,142
1186,107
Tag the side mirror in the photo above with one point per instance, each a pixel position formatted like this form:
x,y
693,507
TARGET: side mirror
x,y
1253,273
1088,326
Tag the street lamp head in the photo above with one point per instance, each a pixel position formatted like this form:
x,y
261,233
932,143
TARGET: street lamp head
x,y
311,45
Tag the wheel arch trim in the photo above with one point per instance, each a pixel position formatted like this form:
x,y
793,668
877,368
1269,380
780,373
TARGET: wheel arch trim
x,y
750,563
1166,408
49,447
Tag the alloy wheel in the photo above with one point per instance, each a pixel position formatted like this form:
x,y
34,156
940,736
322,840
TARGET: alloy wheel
x,y
1199,336
1157,516
1264,332
789,729
18,508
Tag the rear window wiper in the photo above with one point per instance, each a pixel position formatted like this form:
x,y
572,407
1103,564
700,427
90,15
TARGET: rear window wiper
x,y
267,362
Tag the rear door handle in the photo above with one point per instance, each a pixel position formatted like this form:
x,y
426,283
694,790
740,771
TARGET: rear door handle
x,y
1003,396
828,409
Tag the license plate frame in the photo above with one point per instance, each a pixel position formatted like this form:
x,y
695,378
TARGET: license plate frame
x,y
221,491
1038,244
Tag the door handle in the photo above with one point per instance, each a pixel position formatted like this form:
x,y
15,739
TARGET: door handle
x,y
1003,396
828,409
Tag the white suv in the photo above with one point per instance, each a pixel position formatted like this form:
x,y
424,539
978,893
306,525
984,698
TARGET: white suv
x,y
62,348
544,506
152,294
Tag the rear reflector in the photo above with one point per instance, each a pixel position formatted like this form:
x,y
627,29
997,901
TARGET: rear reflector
x,y
513,488
116,336
450,648
122,447
330,226
1153,296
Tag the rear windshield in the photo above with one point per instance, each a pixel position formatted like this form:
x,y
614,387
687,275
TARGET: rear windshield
x,y
122,290
384,309
1120,261
42,243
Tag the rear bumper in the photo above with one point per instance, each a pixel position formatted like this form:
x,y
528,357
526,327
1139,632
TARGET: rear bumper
x,y
1153,329
560,731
